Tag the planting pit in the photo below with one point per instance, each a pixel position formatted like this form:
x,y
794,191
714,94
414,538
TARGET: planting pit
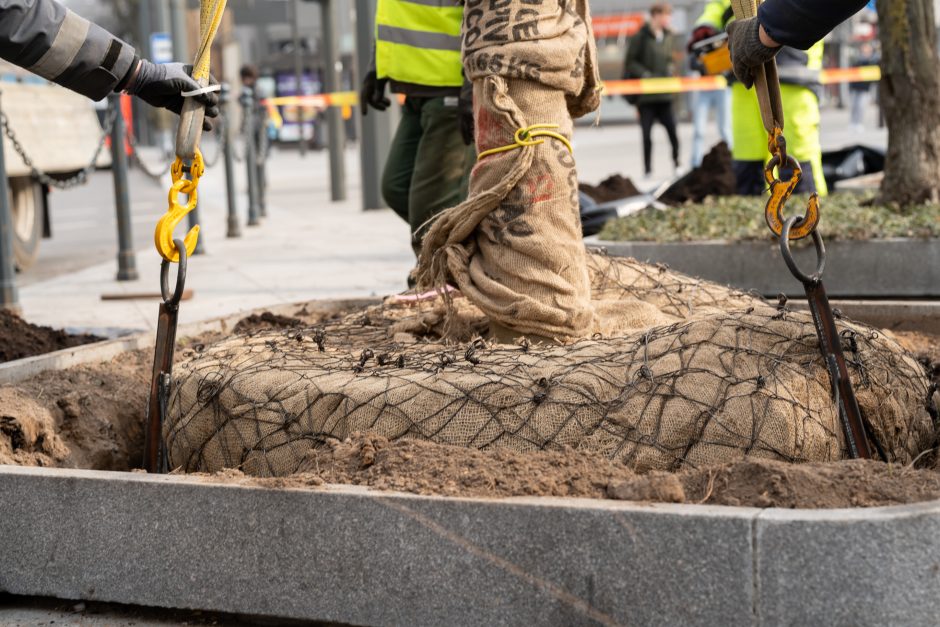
x,y
379,532
90,416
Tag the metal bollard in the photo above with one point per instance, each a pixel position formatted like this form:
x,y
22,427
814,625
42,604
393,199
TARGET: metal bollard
x,y
127,262
247,100
9,299
261,134
225,136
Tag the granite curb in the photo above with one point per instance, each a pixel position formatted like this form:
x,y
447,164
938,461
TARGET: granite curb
x,y
353,555
888,268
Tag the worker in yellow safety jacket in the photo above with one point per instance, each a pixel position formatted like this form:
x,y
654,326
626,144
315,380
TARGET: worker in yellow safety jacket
x,y
799,81
417,54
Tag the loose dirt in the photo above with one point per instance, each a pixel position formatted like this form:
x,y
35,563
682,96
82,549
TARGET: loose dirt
x,y
19,339
91,416
427,468
613,187
715,177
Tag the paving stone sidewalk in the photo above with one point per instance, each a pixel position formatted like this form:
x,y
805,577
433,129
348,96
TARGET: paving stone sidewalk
x,y
307,248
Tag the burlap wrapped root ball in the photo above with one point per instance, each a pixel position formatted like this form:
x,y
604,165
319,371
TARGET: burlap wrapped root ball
x,y
728,377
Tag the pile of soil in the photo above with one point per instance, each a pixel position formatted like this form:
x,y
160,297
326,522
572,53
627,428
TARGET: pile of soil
x,y
427,468
89,416
19,339
613,187
92,416
715,177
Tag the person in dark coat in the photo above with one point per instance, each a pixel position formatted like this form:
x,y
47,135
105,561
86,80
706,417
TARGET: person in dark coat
x,y
650,55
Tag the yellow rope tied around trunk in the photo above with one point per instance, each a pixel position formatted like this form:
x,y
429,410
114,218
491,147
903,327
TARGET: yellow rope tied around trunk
x,y
524,137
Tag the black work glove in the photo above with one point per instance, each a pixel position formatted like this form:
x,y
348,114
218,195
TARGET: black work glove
x,y
161,85
373,93
701,32
465,115
747,51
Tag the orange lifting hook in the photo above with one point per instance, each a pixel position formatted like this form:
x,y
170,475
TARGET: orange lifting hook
x,y
780,192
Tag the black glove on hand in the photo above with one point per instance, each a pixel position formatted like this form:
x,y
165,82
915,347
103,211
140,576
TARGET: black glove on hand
x,y
373,93
747,51
465,115
161,85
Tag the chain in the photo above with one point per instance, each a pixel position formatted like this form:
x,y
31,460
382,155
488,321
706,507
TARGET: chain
x,y
80,177
152,173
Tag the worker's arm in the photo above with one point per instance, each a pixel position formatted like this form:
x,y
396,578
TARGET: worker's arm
x,y
801,23
47,39
795,23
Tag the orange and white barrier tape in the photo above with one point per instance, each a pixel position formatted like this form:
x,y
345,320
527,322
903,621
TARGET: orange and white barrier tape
x,y
667,85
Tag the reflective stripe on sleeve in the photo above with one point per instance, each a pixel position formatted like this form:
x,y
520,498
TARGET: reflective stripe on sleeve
x,y
68,41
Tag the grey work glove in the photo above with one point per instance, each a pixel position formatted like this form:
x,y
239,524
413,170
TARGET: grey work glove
x,y
747,51
373,93
161,85
465,115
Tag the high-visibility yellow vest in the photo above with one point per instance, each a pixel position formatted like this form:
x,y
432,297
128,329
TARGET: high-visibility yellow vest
x,y
418,41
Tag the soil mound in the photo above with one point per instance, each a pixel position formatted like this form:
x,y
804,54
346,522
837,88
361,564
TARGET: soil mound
x,y
27,432
427,468
19,339
614,187
715,177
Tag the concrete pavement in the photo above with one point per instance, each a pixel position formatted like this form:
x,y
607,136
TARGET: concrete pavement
x,y
308,247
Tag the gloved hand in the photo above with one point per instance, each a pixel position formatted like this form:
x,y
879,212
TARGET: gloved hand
x,y
161,85
701,32
373,93
465,115
747,51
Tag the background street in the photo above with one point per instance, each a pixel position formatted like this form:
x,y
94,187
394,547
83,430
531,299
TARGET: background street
x,y
308,247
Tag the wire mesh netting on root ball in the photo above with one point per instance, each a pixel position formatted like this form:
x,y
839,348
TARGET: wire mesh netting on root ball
x,y
722,376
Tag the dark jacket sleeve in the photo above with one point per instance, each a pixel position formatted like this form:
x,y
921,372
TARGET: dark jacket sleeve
x,y
47,39
801,23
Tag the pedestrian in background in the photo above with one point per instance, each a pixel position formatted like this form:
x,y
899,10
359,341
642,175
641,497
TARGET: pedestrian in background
x,y
704,102
650,55
417,54
860,92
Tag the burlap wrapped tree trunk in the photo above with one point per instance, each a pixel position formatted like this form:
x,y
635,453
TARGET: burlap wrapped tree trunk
x,y
514,247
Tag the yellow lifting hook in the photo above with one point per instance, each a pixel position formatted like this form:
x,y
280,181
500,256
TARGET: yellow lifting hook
x,y
163,234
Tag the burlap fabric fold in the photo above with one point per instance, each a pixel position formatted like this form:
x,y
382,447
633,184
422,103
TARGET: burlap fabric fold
x,y
514,247
726,377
